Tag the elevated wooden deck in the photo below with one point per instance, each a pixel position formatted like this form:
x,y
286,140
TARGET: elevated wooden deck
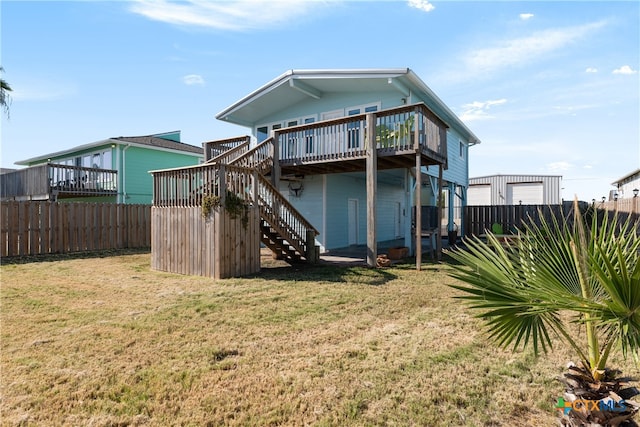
x,y
52,181
339,145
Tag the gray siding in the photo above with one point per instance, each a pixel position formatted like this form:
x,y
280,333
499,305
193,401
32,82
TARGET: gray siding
x,y
551,185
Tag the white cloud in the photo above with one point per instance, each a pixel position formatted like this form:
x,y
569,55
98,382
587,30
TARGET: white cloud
x,y
41,90
573,109
421,5
526,16
519,51
625,69
479,110
591,70
235,15
561,166
193,79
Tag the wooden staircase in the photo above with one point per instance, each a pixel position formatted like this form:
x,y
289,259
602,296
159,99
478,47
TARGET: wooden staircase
x,y
284,230
278,246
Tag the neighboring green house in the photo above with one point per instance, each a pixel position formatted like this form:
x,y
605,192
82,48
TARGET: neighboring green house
x,y
113,170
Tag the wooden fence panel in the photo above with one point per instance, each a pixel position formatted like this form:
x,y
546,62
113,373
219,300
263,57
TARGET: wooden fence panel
x,y
479,219
42,227
630,205
217,246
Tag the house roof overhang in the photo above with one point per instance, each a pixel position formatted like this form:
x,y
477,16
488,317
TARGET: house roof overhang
x,y
627,176
149,142
295,86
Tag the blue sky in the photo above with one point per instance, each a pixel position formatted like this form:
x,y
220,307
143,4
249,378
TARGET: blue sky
x,y
548,87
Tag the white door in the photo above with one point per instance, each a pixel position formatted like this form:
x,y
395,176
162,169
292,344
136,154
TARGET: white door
x,y
353,221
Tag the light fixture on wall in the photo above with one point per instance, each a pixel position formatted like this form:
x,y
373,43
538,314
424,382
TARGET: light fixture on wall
x,y
295,188
635,192
615,197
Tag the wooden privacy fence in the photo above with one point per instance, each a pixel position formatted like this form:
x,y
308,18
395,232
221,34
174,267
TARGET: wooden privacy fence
x,y
479,219
37,227
631,205
212,243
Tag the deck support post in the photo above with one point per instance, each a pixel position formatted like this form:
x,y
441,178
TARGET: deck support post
x,y
440,210
312,254
418,203
372,181
275,169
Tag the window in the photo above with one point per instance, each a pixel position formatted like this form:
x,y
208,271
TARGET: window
x,y
353,128
86,161
462,150
262,133
106,160
308,136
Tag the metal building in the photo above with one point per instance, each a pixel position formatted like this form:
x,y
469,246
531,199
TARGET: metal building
x,y
514,190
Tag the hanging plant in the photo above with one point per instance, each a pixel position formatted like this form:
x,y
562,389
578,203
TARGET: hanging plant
x,y
237,207
209,203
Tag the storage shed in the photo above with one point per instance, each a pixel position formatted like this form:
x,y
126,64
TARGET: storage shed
x,y
515,190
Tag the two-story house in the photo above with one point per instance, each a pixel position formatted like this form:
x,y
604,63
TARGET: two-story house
x,y
114,170
352,152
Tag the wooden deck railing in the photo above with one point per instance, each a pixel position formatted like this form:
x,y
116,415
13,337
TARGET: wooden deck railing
x,y
259,157
230,155
186,187
400,130
50,180
215,148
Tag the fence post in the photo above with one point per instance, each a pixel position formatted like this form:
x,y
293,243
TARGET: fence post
x,y
275,169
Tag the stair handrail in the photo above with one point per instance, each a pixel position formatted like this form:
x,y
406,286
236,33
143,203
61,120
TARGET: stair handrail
x,y
230,155
259,157
288,222
220,146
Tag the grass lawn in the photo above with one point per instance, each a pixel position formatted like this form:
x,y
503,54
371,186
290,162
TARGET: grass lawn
x,y
108,342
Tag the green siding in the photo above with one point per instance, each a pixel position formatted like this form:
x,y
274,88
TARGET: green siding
x,y
138,161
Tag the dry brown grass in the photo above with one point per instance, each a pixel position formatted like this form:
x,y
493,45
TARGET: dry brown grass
x,y
108,342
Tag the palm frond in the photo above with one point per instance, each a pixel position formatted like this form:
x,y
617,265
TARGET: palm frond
x,y
590,267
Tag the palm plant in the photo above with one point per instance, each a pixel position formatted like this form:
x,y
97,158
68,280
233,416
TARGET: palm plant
x,y
5,99
559,278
